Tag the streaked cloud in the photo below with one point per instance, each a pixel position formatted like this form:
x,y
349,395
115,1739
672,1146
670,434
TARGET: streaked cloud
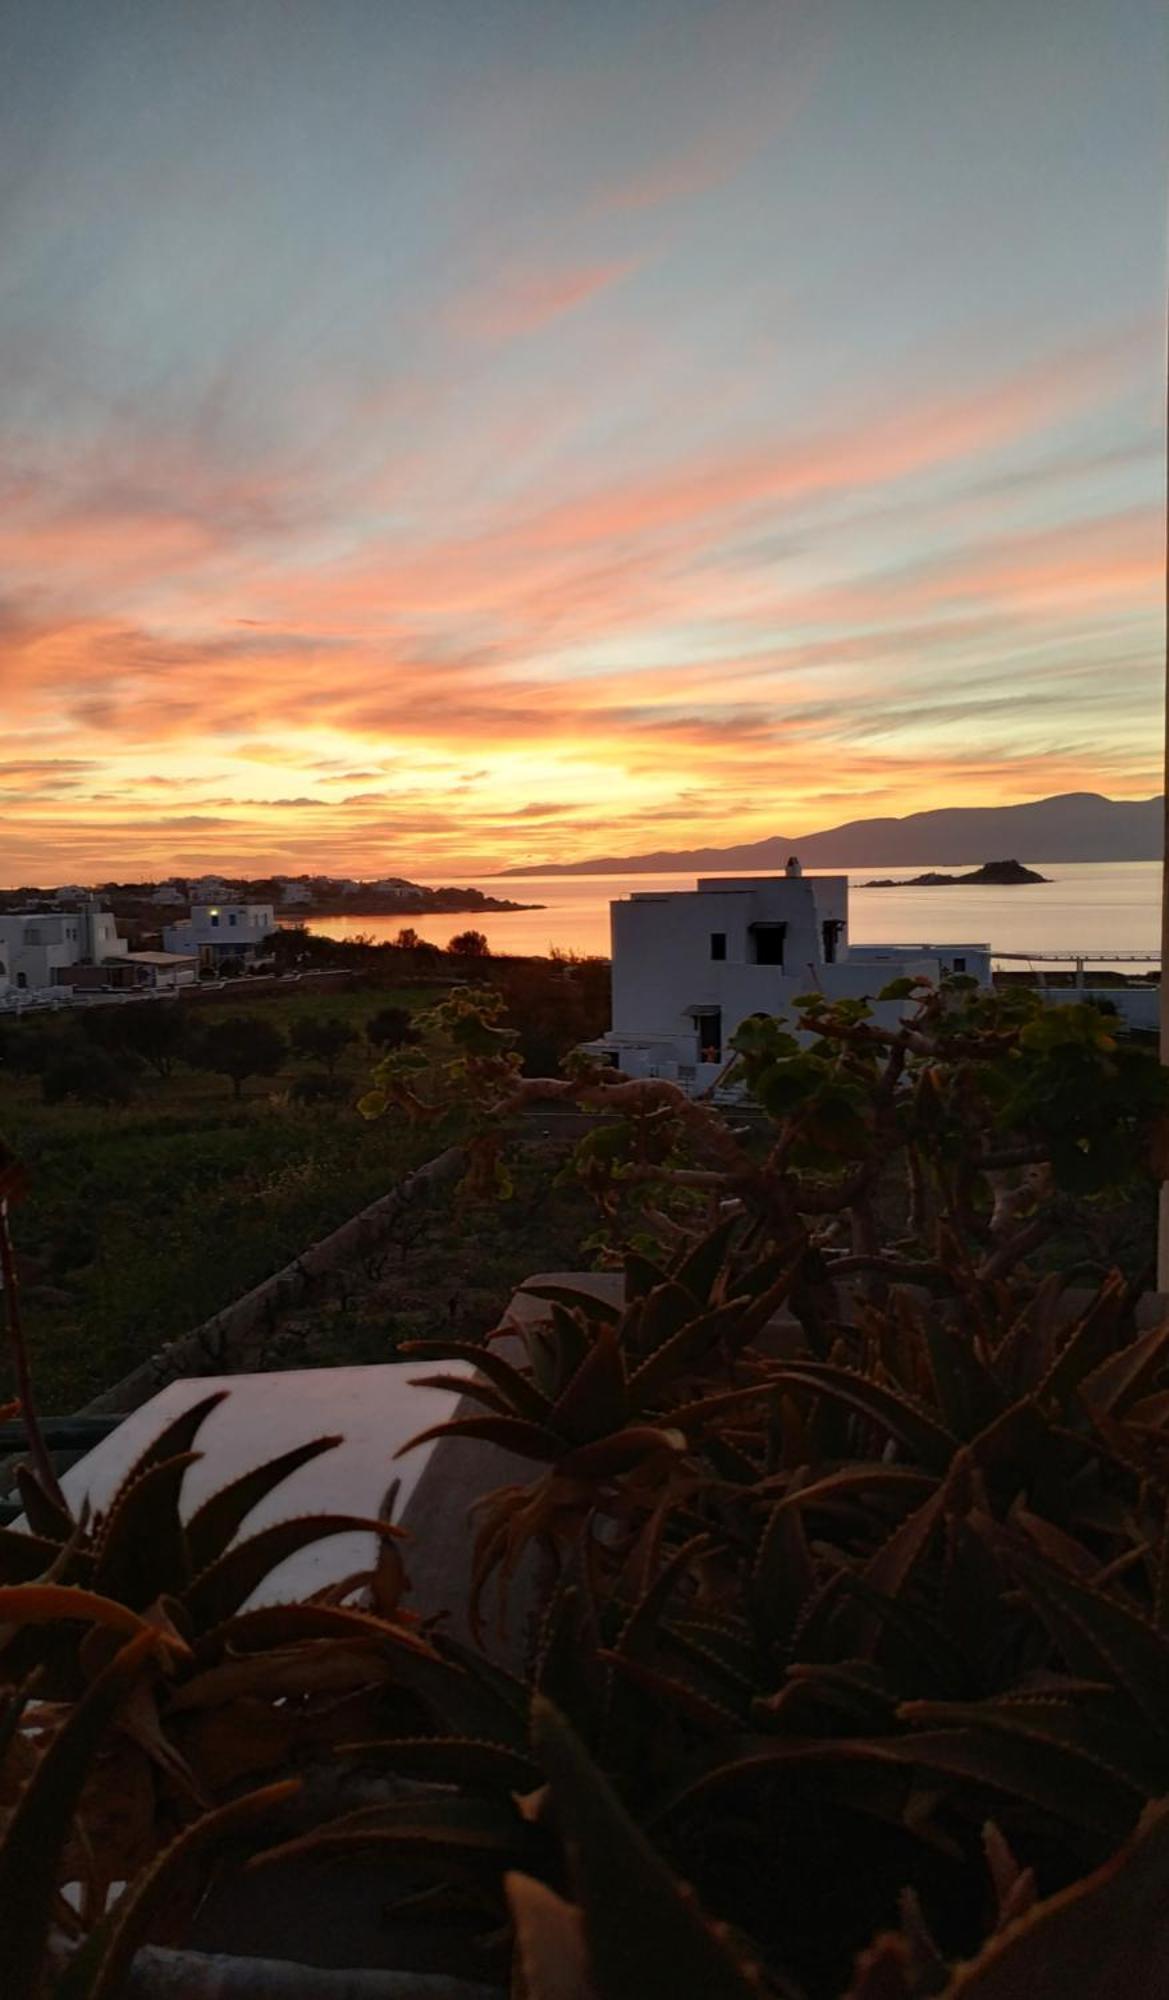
x,y
701,423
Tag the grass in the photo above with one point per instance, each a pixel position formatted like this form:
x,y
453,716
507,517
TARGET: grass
x,y
143,1221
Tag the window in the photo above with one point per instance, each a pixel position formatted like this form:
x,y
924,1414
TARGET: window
x,y
718,944
708,1027
215,920
830,931
232,920
767,943
959,965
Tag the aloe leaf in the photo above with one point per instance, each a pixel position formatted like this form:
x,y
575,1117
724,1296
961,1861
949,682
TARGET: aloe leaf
x,y
928,1653
670,1691
172,1441
894,1413
1122,1378
782,1577
1107,1935
286,1624
677,1356
642,1276
24,1557
48,1603
549,1941
701,1265
968,1396
30,1851
849,1483
482,1834
664,1310
219,1590
669,1947
45,1515
607,1310
605,1457
851,1689
101,1967
734,1668
1075,1788
449,1760
470,1389
1100,1637
463,1699
510,1433
213,1525
646,1612
1116,1745
141,1552
593,1403
525,1398
889,1569
1090,1341
885,1970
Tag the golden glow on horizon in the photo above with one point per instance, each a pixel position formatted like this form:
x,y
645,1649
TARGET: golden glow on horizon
x,y
580,491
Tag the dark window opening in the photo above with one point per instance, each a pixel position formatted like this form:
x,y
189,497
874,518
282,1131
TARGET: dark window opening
x,y
767,943
959,965
830,930
709,1030
718,944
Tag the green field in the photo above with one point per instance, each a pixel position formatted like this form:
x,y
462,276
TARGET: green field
x,y
141,1221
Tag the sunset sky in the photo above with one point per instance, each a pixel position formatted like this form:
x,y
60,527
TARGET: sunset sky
x,y
437,435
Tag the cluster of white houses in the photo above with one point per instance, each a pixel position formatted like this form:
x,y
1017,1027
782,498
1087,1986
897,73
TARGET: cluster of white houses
x,y
58,951
688,966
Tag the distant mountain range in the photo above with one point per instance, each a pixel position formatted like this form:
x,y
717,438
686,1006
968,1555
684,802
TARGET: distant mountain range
x,y
1074,826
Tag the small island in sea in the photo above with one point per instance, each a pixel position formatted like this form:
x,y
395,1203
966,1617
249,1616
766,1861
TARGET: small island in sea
x,y
992,874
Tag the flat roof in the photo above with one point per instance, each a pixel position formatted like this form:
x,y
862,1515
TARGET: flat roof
x,y
155,958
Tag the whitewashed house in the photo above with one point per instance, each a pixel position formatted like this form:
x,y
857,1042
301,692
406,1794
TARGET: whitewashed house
x,y
293,894
690,965
217,931
39,947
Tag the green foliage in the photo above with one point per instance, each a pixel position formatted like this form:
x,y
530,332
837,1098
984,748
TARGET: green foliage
x,y
240,1046
89,1078
157,1031
391,1028
322,1040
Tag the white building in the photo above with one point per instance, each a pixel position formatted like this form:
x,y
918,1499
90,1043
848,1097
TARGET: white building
x,y
216,931
37,947
690,965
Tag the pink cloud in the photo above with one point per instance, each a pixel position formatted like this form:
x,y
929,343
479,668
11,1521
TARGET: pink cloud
x,y
518,303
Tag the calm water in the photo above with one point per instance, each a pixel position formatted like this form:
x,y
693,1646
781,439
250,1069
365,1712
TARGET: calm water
x,y
1089,906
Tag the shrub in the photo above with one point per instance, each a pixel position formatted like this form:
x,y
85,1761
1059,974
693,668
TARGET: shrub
x,y
239,1047
89,1076
469,944
391,1028
322,1039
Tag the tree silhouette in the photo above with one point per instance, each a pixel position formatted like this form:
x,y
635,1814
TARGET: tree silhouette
x,y
469,944
239,1047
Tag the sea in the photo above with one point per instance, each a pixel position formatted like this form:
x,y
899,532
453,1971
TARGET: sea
x,y
1094,907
